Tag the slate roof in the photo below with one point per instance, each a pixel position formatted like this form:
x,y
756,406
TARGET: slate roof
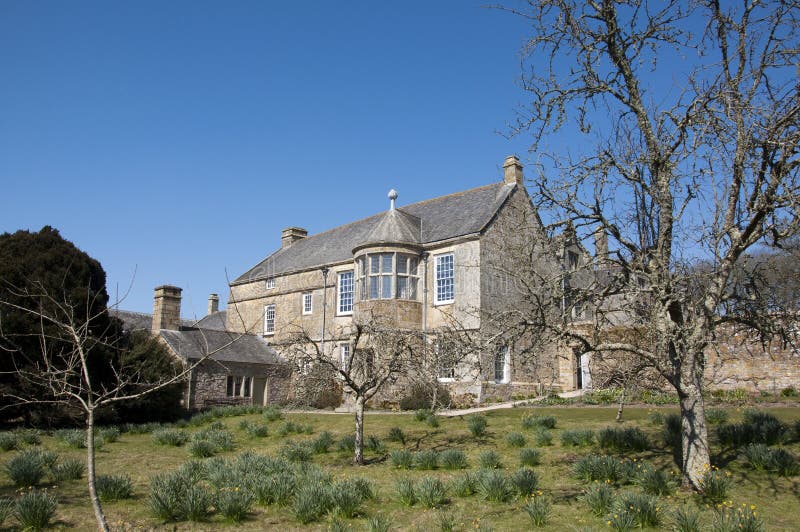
x,y
214,322
140,321
224,346
442,218
395,227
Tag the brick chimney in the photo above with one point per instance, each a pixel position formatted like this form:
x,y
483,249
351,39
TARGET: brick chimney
x,y
512,171
290,235
213,303
167,308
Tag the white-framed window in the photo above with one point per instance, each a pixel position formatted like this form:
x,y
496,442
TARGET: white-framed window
x,y
269,284
345,293
445,279
388,276
502,364
344,356
238,386
269,319
307,303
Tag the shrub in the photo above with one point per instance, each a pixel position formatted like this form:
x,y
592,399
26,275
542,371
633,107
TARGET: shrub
x,y
379,523
29,436
172,437
655,418
538,509
716,416
430,492
623,439
643,508
202,449
741,519
346,443
544,437
599,498
489,460
420,397
257,430
26,468
422,414
277,488
69,469
220,439
166,496
404,488
196,503
515,439
311,502
296,452
428,459
346,498
577,437
6,508
322,443
600,468
234,503
529,457
477,425
653,481
432,421
789,392
73,438
109,434
672,431
8,441
757,427
34,509
685,519
525,481
396,434
113,487
714,486
447,522
453,459
402,459
272,413
533,422
463,485
374,444
494,486
763,458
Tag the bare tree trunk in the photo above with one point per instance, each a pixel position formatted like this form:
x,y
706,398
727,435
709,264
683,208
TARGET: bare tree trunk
x,y
694,432
621,405
358,459
90,473
435,397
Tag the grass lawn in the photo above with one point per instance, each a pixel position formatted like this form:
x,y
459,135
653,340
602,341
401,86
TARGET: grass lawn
x,y
776,499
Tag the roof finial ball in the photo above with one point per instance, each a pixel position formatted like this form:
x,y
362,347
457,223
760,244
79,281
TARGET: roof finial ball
x,y
392,197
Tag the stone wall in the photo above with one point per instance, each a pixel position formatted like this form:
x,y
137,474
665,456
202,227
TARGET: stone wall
x,y
209,380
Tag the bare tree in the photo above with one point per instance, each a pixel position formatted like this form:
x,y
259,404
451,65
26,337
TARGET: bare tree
x,y
683,163
71,352
378,355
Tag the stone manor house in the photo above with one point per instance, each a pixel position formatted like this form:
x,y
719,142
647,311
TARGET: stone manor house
x,y
421,267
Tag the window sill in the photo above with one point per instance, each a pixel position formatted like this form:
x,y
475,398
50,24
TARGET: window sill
x,y
446,379
307,313
344,313
269,333
442,303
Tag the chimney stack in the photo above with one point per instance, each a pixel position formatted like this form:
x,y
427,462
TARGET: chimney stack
x,y
601,245
512,171
213,303
290,235
167,308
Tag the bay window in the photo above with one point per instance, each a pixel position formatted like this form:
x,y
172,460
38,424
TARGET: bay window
x,y
388,276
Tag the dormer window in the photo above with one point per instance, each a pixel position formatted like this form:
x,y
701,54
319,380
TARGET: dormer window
x,y
387,276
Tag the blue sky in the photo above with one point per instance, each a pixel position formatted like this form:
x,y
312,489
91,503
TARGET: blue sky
x,y
174,140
